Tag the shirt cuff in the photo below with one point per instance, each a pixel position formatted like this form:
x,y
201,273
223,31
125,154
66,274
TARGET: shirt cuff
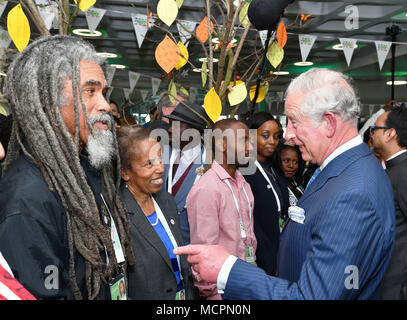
x,y
224,273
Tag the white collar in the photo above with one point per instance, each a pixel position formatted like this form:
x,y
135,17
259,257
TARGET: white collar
x,y
397,154
341,149
190,154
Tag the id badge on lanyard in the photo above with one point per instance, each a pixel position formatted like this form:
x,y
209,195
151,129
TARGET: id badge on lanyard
x,y
118,287
249,250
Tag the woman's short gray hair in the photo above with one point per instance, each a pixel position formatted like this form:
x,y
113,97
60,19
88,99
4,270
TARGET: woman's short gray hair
x,y
326,90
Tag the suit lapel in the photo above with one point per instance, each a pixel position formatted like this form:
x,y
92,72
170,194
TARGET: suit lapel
x,y
335,168
143,225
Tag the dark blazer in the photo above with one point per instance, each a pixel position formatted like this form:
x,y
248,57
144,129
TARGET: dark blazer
x,y
266,216
152,276
342,249
394,285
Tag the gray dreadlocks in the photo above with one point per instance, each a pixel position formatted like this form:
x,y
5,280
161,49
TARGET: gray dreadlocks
x,y
34,89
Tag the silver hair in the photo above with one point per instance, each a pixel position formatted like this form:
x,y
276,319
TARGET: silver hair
x,y
326,90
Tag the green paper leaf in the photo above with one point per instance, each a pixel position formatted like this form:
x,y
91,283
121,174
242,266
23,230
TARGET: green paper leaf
x,y
204,73
275,54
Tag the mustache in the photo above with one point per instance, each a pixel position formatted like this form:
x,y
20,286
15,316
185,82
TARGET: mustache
x,y
105,118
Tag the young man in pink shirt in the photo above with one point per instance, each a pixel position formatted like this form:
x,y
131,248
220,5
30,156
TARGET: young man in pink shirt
x,y
220,204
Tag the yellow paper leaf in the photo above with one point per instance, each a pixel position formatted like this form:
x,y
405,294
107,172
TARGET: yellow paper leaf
x,y
3,111
179,3
213,105
85,4
238,94
183,58
184,91
204,74
281,34
243,17
167,11
172,89
275,54
18,27
167,54
260,96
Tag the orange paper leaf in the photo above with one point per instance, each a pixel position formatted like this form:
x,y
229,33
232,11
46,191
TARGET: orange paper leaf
x,y
202,30
167,54
281,35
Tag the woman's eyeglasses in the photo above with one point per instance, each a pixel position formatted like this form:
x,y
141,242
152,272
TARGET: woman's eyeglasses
x,y
373,128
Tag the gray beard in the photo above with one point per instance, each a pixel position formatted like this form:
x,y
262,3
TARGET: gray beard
x,y
100,145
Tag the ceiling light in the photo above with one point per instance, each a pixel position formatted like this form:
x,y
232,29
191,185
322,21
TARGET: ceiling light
x,y
119,66
87,33
2,74
340,47
107,54
216,40
206,60
236,3
198,70
303,64
397,82
280,73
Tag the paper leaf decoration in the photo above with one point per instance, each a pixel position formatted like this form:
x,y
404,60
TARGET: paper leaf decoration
x,y
18,27
275,54
260,96
213,105
172,90
184,56
167,54
238,94
85,4
243,17
179,3
202,30
184,91
282,34
167,11
204,74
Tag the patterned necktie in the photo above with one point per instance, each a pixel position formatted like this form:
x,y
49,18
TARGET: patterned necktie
x,y
316,173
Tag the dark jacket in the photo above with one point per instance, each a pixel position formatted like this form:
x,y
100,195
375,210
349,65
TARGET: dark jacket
x,y
152,276
266,217
394,285
33,232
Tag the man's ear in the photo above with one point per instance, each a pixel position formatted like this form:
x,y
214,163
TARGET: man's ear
x,y
390,134
330,123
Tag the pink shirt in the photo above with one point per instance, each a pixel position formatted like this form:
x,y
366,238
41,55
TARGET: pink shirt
x,y
214,219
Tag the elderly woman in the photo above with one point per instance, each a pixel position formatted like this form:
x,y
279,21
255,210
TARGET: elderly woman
x,y
157,273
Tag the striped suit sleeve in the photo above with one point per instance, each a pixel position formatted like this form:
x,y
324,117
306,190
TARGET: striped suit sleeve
x,y
347,233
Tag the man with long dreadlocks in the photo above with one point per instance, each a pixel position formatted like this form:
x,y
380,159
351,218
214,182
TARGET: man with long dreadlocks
x,y
63,230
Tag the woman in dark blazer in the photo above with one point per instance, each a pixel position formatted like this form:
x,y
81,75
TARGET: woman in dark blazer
x,y
154,224
270,192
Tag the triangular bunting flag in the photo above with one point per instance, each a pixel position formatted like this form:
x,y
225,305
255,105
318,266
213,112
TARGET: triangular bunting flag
x,y
133,78
93,17
46,11
263,36
382,48
183,34
348,46
155,84
5,39
2,7
110,74
143,94
140,26
306,43
126,92
108,93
